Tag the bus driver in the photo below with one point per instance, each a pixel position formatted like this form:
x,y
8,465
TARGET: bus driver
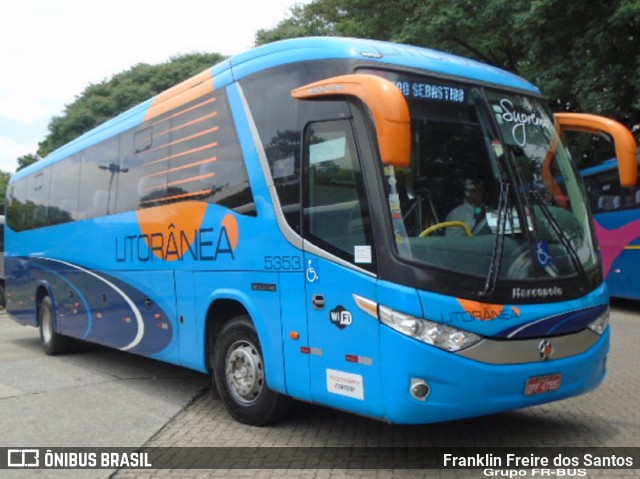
x,y
471,211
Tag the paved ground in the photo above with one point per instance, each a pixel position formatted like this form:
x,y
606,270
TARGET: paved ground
x,y
155,405
609,416
93,396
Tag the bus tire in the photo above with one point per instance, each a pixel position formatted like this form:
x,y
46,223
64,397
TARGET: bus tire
x,y
238,369
53,343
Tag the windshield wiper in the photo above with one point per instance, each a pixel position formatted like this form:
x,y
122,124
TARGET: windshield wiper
x,y
566,242
498,246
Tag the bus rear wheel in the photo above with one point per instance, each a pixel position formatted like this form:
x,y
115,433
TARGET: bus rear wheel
x,y
239,374
53,343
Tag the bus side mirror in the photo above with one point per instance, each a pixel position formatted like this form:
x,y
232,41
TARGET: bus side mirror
x,y
386,102
625,143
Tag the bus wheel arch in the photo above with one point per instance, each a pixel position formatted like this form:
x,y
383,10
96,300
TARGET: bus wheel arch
x,y
220,312
42,291
53,342
236,362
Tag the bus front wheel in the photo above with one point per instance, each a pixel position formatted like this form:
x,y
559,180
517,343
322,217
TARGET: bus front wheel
x,y
239,374
52,342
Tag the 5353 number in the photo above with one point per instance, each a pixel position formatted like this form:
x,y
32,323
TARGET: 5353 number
x,y
282,263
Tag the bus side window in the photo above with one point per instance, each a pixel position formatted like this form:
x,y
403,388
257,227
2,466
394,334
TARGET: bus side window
x,y
142,140
336,216
606,193
99,164
63,198
39,185
17,205
278,118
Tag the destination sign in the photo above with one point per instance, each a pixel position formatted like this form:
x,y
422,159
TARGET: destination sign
x,y
421,88
429,91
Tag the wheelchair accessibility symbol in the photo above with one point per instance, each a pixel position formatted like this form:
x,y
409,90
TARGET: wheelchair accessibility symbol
x,y
543,253
312,271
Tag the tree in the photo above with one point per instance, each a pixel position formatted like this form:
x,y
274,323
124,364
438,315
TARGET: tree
x,y
350,18
584,56
4,180
26,160
102,101
302,22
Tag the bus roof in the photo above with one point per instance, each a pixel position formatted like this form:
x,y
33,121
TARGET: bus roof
x,y
299,49
288,51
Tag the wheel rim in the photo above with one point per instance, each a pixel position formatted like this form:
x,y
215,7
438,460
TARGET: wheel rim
x,y
245,372
47,325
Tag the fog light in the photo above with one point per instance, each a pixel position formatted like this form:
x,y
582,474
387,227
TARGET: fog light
x,y
419,389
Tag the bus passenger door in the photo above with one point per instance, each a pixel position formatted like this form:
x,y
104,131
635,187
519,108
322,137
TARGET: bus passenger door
x,y
338,264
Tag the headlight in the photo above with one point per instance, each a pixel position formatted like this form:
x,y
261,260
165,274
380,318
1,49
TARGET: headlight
x,y
601,322
430,332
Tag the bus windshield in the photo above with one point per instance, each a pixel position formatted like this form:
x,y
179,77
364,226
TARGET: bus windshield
x,y
491,190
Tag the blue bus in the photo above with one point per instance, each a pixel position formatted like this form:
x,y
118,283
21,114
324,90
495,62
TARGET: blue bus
x,y
616,211
378,228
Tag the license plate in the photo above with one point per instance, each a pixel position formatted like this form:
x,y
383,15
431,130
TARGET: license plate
x,y
543,384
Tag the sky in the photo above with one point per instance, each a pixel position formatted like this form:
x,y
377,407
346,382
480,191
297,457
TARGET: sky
x,y
51,50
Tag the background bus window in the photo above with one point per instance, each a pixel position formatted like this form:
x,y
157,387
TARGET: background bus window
x,y
607,195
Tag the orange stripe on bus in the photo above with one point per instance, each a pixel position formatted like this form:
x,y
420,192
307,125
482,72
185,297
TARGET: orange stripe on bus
x,y
183,167
182,112
192,178
186,138
177,197
157,187
178,155
181,182
185,92
189,123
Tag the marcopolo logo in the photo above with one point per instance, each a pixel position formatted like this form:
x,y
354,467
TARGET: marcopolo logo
x,y
536,293
545,348
175,232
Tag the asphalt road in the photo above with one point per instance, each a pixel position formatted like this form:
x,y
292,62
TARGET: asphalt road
x,y
101,397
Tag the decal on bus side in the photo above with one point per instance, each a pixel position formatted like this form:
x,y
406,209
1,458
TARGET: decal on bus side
x,y
173,232
341,317
345,384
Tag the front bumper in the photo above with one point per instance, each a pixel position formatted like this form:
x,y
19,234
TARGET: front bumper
x,y
461,387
